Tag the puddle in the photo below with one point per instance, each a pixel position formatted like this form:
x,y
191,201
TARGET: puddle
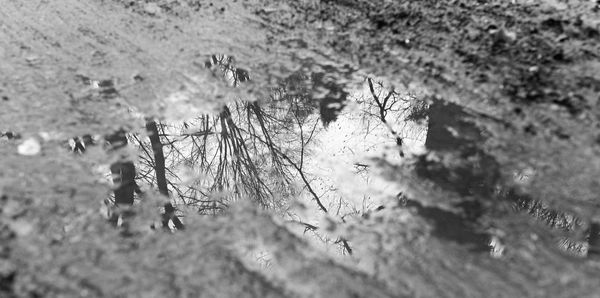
x,y
312,148
307,153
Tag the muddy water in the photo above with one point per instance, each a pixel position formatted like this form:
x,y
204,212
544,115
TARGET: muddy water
x,y
316,141
452,173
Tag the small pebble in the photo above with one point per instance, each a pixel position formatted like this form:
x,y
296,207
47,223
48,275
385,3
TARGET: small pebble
x,y
29,147
152,9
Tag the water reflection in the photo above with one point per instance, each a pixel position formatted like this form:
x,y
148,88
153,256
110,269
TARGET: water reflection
x,y
250,150
262,151
310,141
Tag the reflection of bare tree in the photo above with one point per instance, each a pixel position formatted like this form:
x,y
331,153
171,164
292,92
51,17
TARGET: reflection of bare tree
x,y
161,178
123,174
247,151
278,154
386,105
250,150
224,154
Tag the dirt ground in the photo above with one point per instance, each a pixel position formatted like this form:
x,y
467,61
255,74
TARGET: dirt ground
x,y
526,72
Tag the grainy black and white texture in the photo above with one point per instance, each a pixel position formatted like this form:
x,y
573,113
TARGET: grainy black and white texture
x,y
356,148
